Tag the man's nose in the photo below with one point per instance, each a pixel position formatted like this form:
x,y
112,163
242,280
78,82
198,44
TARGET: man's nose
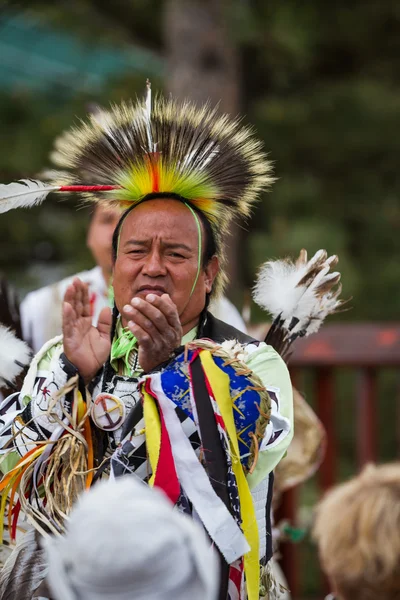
x,y
153,265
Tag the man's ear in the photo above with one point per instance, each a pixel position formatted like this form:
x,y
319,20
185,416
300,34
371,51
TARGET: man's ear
x,y
210,273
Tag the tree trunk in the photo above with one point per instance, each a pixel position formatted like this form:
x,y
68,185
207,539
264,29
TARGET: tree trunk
x,y
202,65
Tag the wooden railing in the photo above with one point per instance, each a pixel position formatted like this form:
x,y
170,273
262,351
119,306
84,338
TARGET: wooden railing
x,y
367,349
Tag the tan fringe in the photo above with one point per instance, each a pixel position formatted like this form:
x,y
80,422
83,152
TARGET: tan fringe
x,y
66,468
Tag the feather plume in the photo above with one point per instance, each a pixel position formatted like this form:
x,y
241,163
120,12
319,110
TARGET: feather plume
x,y
15,355
23,194
147,99
10,317
298,295
24,570
209,159
147,115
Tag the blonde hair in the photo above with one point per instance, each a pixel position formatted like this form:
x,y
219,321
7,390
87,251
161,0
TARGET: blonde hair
x,y
357,529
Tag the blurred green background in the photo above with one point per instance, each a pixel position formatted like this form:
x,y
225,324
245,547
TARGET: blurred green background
x,y
320,82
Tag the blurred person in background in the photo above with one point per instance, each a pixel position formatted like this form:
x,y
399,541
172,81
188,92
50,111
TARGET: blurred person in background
x,y
125,541
224,310
41,310
357,531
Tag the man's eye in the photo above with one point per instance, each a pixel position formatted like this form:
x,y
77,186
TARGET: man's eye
x,y
176,255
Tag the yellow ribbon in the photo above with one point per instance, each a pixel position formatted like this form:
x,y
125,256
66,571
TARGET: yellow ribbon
x,y
153,431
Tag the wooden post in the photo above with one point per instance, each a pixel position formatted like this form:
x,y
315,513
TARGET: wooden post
x,y
366,347
367,416
326,411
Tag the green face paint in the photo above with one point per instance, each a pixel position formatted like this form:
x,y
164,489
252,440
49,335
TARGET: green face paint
x,y
199,236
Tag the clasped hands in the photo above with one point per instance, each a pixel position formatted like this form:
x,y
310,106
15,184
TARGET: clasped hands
x,y
153,320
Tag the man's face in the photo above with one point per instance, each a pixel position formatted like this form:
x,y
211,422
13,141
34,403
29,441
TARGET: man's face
x,y
100,233
158,254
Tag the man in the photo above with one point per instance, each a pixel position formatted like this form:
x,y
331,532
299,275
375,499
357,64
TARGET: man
x,y
41,310
207,431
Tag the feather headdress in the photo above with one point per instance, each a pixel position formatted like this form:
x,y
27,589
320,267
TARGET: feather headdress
x,y
298,295
210,160
122,155
132,150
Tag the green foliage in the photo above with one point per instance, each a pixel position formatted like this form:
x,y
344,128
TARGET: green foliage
x,y
320,83
322,88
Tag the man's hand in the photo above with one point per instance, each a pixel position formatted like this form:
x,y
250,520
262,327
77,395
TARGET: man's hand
x,y
87,347
156,325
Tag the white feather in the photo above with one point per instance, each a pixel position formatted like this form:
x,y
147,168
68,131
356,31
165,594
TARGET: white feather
x,y
23,193
276,288
104,120
147,100
283,289
147,115
310,302
328,305
12,349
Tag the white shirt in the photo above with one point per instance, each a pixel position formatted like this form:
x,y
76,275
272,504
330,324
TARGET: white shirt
x,y
224,310
41,310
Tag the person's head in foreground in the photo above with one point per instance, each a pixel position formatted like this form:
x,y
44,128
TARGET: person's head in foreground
x,y
124,541
357,529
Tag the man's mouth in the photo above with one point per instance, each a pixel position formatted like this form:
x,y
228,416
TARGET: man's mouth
x,y
158,290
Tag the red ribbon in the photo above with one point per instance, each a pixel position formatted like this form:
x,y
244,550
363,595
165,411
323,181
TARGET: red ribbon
x,y
88,188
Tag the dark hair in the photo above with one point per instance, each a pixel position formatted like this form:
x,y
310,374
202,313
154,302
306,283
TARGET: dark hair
x,y
211,246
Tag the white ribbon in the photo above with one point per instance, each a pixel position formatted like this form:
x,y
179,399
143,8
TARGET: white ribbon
x,y
216,518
